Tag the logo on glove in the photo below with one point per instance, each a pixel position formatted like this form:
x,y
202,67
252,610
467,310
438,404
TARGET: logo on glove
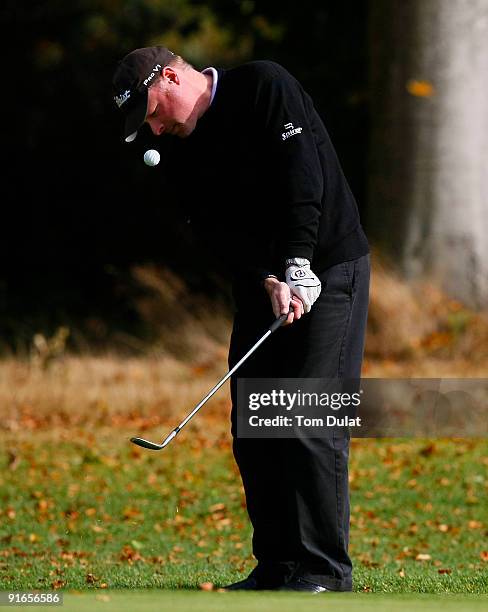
x,y
299,273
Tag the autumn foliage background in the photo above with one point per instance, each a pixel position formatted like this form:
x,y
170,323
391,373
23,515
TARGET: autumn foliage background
x,y
83,509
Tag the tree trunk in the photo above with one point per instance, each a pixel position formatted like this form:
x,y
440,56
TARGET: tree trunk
x,y
428,165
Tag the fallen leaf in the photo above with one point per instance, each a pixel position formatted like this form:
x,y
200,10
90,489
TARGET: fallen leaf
x,y
13,460
423,557
206,586
58,584
428,450
475,525
217,507
132,513
90,579
130,554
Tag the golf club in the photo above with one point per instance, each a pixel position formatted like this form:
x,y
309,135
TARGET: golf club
x,y
153,446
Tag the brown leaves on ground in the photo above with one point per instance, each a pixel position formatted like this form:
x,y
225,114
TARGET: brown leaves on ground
x,y
413,330
58,584
206,586
109,391
130,555
218,516
91,579
131,513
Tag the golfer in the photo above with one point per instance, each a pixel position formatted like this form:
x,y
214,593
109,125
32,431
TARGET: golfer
x,y
258,178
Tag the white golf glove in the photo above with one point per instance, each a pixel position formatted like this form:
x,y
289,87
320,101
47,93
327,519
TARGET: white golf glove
x,y
302,281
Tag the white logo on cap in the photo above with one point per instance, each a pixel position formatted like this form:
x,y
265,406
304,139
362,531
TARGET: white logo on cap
x,y
122,99
156,69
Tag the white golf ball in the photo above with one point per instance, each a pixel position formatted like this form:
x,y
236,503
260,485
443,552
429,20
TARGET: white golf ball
x,y
151,157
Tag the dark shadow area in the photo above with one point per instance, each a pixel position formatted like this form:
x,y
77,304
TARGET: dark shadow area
x,y
81,209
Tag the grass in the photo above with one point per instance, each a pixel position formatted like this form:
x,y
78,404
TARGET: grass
x,y
269,602
96,513
84,511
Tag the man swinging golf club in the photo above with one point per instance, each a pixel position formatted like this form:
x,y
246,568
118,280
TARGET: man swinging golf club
x,y
254,169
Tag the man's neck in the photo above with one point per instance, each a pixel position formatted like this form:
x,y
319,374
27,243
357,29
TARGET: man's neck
x,y
207,82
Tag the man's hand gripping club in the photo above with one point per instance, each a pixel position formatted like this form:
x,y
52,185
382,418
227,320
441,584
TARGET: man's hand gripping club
x,y
299,293
303,283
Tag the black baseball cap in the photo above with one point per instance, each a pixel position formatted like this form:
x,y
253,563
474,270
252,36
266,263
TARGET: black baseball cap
x,y
132,77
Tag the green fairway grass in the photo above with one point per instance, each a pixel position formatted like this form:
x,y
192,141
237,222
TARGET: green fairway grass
x,y
271,602
268,602
98,514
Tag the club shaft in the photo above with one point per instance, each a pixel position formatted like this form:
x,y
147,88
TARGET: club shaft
x,y
226,377
151,445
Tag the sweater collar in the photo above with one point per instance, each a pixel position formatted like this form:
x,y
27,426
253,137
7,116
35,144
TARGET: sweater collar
x,y
215,79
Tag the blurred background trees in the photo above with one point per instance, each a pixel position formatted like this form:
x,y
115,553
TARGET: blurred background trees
x,y
399,85
428,196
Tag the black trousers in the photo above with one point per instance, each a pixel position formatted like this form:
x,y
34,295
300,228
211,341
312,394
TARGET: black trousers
x,y
297,489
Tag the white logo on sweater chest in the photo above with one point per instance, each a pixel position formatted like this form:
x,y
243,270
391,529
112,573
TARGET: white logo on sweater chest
x,y
291,131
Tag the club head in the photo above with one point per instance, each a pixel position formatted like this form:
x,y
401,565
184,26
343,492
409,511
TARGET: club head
x,y
146,444
152,445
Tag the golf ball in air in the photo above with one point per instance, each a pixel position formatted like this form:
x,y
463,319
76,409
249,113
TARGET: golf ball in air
x,y
151,157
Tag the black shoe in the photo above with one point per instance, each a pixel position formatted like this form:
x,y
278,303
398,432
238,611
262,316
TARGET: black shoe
x,y
266,576
300,584
257,583
248,584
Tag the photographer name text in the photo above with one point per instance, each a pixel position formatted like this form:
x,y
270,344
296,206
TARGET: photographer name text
x,y
302,421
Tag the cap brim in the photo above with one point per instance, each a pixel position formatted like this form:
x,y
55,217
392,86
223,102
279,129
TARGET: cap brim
x,y
136,115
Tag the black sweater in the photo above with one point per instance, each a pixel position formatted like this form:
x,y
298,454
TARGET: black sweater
x,y
261,178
